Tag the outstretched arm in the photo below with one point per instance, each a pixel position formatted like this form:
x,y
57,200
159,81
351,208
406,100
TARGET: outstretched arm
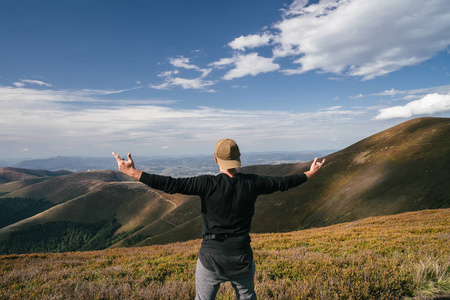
x,y
315,167
127,167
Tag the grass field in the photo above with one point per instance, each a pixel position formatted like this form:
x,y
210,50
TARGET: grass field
x,y
389,257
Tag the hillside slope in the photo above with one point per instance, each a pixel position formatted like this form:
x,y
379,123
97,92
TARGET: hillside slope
x,y
404,168
9,174
87,198
388,257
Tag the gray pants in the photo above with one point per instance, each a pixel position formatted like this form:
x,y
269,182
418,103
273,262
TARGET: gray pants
x,y
207,283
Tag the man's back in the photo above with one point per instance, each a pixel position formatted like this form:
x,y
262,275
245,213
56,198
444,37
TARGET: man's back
x,y
228,202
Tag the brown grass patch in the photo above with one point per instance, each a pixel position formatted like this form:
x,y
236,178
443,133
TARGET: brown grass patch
x,y
390,257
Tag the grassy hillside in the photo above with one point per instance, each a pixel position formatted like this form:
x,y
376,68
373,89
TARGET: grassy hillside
x,y
404,168
62,188
75,205
389,257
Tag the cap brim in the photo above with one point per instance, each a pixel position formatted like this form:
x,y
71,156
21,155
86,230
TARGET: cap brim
x,y
229,164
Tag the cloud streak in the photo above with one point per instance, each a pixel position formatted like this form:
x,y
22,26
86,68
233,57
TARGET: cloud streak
x,y
249,64
21,94
22,83
409,95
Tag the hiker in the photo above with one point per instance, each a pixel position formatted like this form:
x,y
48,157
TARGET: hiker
x,y
227,207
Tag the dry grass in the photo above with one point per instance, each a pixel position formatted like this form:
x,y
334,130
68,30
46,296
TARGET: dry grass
x,y
389,257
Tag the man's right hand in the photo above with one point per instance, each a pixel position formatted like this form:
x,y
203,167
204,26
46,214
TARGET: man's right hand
x,y
127,167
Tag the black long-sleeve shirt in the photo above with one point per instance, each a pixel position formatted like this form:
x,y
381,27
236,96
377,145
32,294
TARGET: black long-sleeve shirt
x,y
227,203
227,206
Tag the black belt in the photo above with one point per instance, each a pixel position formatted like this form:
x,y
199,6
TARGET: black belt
x,y
221,236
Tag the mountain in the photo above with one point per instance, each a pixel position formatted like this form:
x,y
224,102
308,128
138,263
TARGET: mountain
x,y
192,165
9,174
404,168
77,204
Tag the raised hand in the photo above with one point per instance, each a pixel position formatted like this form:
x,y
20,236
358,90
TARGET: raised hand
x,y
315,167
127,167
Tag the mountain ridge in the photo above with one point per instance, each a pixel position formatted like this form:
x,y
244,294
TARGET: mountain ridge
x,y
192,164
9,174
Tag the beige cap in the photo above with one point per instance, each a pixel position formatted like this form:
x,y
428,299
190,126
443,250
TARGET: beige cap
x,y
227,154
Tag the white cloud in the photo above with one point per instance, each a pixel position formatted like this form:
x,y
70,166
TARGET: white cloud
x,y
428,105
25,94
364,38
250,41
391,92
21,94
336,78
205,72
249,64
182,62
170,80
198,83
408,95
225,61
37,82
19,84
163,86
168,73
51,126
333,108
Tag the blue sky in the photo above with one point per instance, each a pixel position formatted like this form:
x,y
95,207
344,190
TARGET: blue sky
x,y
172,77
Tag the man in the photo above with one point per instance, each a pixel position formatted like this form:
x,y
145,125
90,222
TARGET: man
x,y
227,206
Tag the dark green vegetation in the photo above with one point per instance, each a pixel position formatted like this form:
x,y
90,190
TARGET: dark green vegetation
x,y
388,257
402,169
62,236
13,210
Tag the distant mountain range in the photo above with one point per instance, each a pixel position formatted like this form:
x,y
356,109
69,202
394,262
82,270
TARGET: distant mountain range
x,y
404,168
173,166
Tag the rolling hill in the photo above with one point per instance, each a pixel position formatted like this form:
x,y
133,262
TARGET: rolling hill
x,y
404,168
401,256
9,174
